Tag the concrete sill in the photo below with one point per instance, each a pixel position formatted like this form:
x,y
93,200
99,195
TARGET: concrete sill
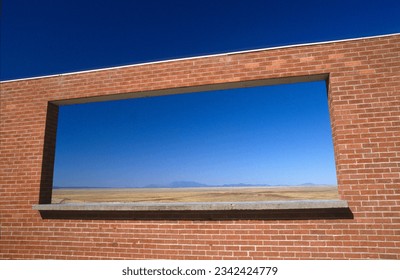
x,y
196,206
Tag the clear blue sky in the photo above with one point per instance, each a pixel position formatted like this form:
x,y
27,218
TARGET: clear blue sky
x,y
262,135
48,37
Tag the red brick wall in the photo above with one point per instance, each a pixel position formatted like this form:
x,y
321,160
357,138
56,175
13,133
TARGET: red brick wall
x,y
364,101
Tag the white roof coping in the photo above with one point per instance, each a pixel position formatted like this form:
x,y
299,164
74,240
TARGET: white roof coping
x,y
201,56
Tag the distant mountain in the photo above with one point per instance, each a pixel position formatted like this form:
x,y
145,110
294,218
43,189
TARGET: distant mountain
x,y
193,184
177,184
155,186
187,184
243,185
82,187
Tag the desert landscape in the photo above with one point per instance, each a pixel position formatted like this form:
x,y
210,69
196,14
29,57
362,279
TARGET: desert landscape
x,y
194,194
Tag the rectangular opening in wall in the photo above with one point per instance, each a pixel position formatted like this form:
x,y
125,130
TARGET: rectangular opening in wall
x,y
253,144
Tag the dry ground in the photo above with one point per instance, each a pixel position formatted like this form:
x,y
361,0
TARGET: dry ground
x,y
207,194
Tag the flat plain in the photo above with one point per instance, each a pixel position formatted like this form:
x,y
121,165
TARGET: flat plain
x,y
197,194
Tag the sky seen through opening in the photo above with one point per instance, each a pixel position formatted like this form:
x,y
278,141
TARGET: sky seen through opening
x,y
275,135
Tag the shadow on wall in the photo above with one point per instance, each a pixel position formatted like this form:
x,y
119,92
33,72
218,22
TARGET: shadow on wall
x,y
285,214
50,134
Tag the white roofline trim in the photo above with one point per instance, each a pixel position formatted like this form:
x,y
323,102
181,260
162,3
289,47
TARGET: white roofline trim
x,y
201,56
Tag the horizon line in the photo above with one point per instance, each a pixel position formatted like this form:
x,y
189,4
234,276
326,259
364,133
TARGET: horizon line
x,y
204,186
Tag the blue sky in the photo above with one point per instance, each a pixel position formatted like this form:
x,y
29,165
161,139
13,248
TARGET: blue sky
x,y
262,135
48,37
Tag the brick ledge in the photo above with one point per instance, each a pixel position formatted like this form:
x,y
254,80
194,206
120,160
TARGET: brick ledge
x,y
195,206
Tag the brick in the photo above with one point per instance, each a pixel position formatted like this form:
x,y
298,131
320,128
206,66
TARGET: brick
x,y
364,105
